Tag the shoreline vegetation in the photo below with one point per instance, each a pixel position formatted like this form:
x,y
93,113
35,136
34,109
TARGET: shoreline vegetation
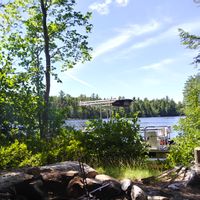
x,y
101,144
144,107
106,147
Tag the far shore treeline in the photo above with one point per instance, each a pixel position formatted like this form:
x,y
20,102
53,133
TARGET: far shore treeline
x,y
69,107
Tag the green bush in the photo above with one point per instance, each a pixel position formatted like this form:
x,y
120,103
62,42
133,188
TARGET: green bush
x,y
114,141
63,147
14,155
33,160
35,151
182,152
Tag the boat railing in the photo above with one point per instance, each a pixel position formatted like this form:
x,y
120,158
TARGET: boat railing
x,y
157,137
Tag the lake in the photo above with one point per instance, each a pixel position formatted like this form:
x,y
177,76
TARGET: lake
x,y
143,121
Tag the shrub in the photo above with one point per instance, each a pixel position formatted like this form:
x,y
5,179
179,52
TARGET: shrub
x,y
35,151
182,152
113,141
14,155
60,149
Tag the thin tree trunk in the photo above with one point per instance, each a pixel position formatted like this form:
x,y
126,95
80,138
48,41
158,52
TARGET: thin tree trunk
x,y
47,72
39,89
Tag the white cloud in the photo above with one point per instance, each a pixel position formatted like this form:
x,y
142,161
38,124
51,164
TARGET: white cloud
x,y
79,80
101,8
122,3
124,36
104,7
170,33
159,65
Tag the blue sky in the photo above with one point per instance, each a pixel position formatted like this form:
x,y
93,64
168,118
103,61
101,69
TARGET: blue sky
x,y
137,51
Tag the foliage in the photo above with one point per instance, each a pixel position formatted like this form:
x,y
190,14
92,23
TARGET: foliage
x,y
156,107
115,140
111,142
17,104
182,151
63,146
42,38
14,155
191,41
34,151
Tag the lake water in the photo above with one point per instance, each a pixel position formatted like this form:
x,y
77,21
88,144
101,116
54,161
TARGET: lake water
x,y
143,121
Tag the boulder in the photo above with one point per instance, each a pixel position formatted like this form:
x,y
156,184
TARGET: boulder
x,y
137,193
8,179
157,198
126,184
71,166
75,188
65,180
103,177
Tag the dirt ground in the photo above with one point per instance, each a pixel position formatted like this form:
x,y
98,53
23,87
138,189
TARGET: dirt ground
x,y
160,189
173,184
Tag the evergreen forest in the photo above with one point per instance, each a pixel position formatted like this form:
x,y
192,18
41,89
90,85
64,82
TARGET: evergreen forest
x,y
70,108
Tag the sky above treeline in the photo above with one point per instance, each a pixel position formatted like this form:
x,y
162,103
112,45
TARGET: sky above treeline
x,y
137,51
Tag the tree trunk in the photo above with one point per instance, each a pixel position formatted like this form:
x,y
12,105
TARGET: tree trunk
x,y
45,116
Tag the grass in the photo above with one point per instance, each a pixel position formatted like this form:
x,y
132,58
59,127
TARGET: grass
x,y
133,172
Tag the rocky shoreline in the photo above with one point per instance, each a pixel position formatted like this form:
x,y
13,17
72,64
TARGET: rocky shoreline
x,y
74,180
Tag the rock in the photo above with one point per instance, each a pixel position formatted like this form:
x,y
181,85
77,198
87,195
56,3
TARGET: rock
x,y
194,178
29,190
93,184
75,188
175,186
126,184
72,173
47,181
110,189
157,198
35,171
8,179
71,166
137,193
103,177
194,181
55,189
59,176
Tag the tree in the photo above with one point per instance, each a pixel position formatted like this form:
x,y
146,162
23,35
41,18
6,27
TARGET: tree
x,y
17,104
182,151
191,104
44,37
191,41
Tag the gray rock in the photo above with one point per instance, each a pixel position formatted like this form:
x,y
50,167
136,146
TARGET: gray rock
x,y
157,198
111,188
125,184
71,166
103,177
175,186
137,193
